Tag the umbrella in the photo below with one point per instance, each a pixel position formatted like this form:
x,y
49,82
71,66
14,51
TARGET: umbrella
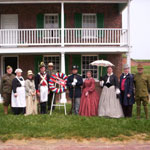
x,y
102,63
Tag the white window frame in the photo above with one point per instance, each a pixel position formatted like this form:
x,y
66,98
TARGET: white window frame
x,y
89,14
96,79
85,34
53,62
56,14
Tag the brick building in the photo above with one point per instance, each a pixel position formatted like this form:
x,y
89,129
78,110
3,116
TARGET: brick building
x,y
63,32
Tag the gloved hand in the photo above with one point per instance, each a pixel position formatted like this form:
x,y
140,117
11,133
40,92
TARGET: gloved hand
x,y
75,80
101,83
117,91
73,83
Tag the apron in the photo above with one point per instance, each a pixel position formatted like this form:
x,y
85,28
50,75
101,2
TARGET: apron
x,y
20,100
43,94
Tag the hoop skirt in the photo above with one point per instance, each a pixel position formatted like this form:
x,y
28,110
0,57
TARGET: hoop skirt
x,y
109,105
89,103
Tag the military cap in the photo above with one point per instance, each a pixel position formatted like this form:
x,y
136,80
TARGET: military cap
x,y
41,65
140,66
75,67
8,67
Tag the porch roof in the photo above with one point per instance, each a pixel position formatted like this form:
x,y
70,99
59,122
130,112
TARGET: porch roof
x,y
59,1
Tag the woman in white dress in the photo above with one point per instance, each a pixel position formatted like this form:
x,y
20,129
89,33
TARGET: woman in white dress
x,y
109,104
18,101
31,101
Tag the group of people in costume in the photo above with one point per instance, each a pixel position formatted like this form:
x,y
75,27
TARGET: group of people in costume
x,y
115,101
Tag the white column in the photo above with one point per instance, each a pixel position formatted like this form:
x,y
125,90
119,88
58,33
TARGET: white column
x,y
63,95
129,42
62,24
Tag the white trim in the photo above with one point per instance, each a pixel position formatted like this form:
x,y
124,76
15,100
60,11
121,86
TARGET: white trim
x,y
52,50
67,1
2,62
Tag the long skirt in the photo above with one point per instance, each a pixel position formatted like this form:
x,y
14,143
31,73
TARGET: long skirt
x,y
89,104
31,107
109,104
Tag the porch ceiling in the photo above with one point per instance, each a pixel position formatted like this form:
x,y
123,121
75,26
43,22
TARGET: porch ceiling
x,y
59,1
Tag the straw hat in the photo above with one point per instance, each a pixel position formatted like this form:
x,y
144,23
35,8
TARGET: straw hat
x,y
18,70
50,64
29,72
140,66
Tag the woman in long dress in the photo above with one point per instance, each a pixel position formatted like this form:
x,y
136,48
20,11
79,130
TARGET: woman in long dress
x,y
109,104
31,100
90,98
18,101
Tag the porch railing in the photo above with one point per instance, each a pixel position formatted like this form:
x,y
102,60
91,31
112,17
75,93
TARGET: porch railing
x,y
72,36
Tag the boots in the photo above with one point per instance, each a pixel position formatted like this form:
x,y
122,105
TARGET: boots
x,y
146,111
138,112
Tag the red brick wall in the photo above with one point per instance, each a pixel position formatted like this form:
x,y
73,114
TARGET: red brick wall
x,y
26,62
27,13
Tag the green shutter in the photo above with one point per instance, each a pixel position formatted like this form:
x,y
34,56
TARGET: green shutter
x,y
40,21
37,61
104,57
100,24
76,60
67,64
78,22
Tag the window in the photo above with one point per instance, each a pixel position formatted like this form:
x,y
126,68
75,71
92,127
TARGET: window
x,y
54,59
86,60
89,21
51,21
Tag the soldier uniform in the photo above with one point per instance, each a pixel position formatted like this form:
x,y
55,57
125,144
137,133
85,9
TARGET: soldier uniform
x,y
142,87
6,87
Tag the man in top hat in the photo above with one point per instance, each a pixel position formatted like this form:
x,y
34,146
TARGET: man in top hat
x,y
50,72
142,87
42,88
6,87
127,92
74,84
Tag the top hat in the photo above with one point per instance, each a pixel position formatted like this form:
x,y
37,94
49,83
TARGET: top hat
x,y
125,66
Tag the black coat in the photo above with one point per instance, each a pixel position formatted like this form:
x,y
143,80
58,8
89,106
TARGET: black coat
x,y
113,80
38,80
15,84
77,87
128,90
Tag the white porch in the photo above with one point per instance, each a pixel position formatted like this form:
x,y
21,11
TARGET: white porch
x,y
72,36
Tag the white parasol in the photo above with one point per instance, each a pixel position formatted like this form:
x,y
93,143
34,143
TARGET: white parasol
x,y
102,63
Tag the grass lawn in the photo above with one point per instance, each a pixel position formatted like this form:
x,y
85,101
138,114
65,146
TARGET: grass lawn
x,y
60,126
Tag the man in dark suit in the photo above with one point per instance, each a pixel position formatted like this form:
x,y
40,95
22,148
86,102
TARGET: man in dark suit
x,y
74,84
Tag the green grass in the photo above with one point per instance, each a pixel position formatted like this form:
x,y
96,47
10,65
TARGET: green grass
x,y
59,126
146,69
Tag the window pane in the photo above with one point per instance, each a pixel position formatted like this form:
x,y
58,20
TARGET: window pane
x,y
86,60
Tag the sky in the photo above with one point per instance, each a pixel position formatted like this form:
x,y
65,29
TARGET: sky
x,y
140,28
